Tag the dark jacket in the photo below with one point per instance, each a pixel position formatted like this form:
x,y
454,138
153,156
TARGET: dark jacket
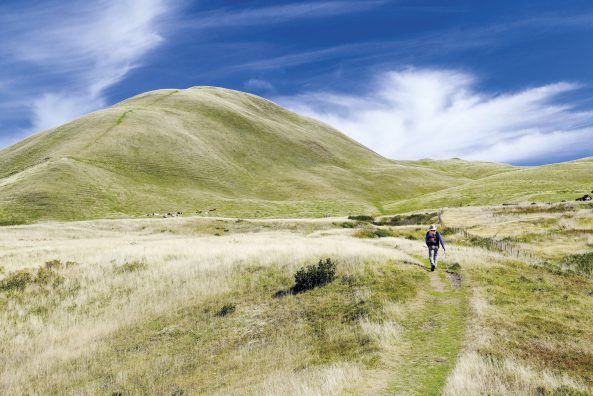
x,y
434,240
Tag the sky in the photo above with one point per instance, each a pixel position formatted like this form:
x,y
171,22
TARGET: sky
x,y
506,81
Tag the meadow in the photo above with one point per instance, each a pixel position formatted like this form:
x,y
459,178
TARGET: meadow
x,y
196,305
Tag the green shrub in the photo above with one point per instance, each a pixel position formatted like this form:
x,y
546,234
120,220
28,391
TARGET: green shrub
x,y
565,390
361,218
53,264
379,233
347,224
17,280
581,263
227,309
454,267
413,219
314,276
130,267
47,276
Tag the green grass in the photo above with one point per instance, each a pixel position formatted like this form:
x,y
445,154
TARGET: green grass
x,y
196,346
549,183
432,340
204,148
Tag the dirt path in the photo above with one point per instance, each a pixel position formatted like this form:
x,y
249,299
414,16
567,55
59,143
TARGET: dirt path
x,y
437,283
432,338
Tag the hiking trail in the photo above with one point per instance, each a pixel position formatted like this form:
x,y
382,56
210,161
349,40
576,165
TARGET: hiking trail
x,y
432,337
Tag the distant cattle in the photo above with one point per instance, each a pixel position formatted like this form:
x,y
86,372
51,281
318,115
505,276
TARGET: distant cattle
x,y
584,198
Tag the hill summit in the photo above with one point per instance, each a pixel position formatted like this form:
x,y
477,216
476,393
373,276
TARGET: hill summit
x,y
199,149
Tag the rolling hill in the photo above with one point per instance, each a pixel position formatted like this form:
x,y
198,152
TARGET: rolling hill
x,y
555,182
205,148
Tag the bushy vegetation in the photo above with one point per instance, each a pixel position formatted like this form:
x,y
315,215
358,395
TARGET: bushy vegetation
x,y
130,267
313,276
19,280
581,263
227,309
413,219
361,218
376,233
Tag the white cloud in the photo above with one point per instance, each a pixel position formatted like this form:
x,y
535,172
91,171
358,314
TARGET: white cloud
x,y
281,13
428,113
258,85
82,47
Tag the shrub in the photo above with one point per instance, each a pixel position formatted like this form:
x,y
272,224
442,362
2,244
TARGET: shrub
x,y
227,309
53,264
130,267
47,276
347,224
413,219
361,218
565,390
379,233
454,267
314,276
16,281
581,263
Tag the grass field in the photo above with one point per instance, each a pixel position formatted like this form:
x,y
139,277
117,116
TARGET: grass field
x,y
198,149
196,305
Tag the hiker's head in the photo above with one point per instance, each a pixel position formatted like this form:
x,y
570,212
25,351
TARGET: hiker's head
x,y
432,227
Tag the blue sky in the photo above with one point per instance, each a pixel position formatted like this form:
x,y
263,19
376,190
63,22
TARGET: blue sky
x,y
506,81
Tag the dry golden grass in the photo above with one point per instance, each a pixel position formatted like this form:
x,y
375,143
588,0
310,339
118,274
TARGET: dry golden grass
x,y
97,302
115,320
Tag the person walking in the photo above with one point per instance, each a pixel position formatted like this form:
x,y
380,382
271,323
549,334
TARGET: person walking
x,y
433,240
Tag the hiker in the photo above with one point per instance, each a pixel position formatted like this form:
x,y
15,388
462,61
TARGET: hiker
x,y
433,239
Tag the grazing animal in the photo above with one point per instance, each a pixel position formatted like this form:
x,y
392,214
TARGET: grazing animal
x,y
584,198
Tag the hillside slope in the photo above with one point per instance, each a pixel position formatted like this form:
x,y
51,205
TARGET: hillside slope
x,y
564,181
196,149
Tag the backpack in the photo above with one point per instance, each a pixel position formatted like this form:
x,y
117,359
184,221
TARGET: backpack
x,y
432,240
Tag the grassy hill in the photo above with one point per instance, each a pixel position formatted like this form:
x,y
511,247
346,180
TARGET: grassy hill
x,y
204,148
556,182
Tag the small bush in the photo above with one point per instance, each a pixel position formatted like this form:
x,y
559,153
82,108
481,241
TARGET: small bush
x,y
565,390
47,276
131,266
454,267
581,263
227,309
413,219
57,264
361,218
16,281
347,224
374,233
314,276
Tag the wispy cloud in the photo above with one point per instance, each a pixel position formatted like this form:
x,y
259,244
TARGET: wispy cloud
x,y
258,85
223,18
64,55
428,45
419,113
